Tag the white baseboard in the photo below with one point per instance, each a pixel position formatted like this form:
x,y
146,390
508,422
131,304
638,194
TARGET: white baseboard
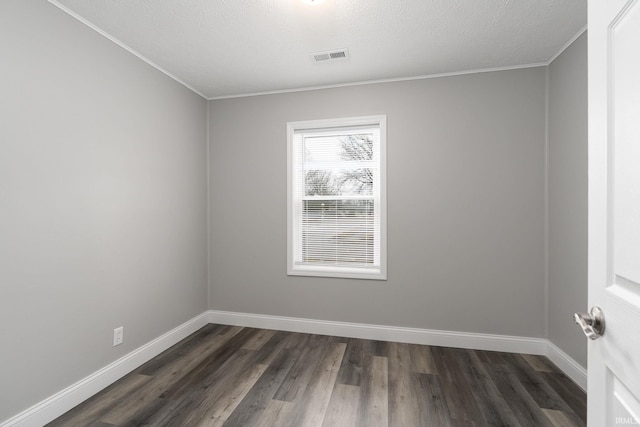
x,y
56,405
505,343
570,367
476,341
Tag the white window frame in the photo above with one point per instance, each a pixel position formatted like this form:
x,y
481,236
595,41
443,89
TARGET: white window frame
x,y
294,239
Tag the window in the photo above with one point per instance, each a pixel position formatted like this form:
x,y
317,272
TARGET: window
x,y
336,198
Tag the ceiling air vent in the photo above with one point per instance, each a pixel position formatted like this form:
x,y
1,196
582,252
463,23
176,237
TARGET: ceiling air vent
x,y
330,55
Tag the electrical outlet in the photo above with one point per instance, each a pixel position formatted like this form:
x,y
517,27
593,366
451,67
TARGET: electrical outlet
x,y
118,336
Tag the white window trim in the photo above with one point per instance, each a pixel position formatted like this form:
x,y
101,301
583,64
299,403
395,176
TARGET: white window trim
x,y
330,271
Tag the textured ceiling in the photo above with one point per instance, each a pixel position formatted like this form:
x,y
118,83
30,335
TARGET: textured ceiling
x,y
224,48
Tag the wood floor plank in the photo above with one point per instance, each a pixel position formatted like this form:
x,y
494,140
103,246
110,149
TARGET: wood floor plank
x,y
540,363
318,392
216,414
181,349
544,395
403,404
525,409
155,413
176,362
569,392
432,406
128,408
343,406
374,392
351,363
235,376
272,348
262,337
95,407
422,359
563,419
276,414
255,402
175,381
376,348
209,389
226,328
122,409
494,408
294,384
207,362
456,388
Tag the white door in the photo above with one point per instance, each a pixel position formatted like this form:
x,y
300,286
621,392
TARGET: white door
x,y
614,210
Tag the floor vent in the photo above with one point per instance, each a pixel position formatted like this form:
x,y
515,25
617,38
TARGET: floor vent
x,y
330,55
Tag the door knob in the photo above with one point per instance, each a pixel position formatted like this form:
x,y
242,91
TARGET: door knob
x,y
592,324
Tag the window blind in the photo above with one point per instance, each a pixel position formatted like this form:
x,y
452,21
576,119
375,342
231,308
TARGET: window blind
x,y
337,197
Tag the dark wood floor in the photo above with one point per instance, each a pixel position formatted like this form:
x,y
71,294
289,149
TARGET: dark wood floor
x,y
233,376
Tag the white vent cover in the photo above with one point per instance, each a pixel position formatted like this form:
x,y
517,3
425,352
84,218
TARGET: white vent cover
x,y
331,55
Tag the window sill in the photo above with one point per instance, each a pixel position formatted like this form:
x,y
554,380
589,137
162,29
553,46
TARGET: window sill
x,y
337,272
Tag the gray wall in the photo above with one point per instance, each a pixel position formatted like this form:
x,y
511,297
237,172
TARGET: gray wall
x,y
465,205
568,198
103,202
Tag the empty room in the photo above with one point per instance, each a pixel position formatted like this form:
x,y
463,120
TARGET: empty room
x,y
319,213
